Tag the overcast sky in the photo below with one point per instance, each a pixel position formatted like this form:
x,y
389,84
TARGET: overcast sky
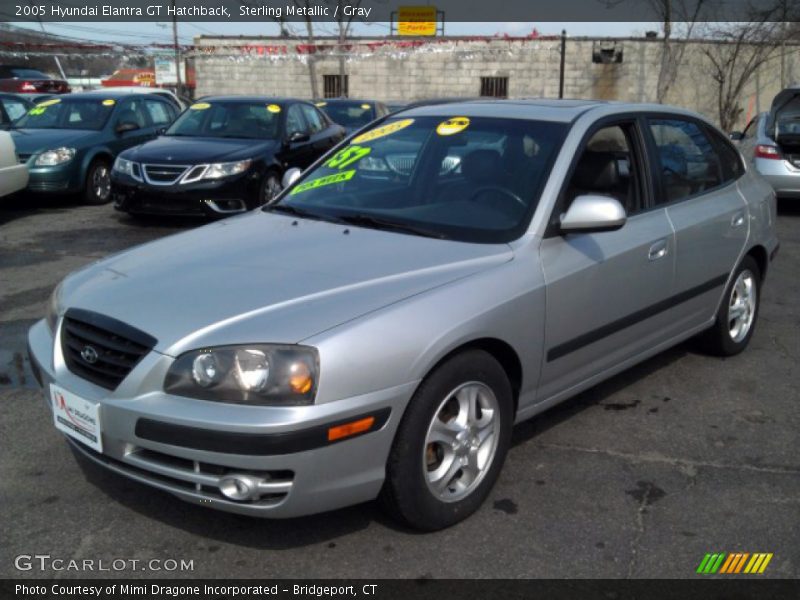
x,y
145,33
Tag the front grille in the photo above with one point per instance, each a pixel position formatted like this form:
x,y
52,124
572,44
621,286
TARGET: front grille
x,y
101,349
163,174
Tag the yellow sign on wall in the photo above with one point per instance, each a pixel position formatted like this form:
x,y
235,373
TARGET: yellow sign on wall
x,y
416,20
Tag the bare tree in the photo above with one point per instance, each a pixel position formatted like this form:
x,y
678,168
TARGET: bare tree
x,y
740,48
683,15
344,25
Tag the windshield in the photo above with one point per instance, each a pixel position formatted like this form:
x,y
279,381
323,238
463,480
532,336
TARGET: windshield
x,y
68,113
256,120
351,115
470,179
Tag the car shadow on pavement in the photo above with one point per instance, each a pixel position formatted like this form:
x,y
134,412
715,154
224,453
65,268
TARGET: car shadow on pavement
x,y
596,394
22,205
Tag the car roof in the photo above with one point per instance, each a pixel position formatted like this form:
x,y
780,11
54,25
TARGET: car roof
x,y
347,101
131,89
266,99
93,94
545,109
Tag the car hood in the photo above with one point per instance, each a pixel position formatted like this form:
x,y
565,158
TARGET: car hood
x,y
198,149
265,277
32,141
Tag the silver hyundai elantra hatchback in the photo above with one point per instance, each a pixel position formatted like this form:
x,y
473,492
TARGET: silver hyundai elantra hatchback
x,y
377,330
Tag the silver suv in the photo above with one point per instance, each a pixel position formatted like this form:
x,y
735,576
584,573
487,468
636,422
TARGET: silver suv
x,y
377,330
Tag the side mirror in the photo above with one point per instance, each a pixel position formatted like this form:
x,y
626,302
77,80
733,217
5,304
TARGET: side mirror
x,y
736,136
299,137
127,126
290,177
593,213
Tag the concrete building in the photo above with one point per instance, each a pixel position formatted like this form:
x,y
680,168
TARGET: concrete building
x,y
412,69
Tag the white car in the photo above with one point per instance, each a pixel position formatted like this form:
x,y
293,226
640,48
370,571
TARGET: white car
x,y
179,101
13,175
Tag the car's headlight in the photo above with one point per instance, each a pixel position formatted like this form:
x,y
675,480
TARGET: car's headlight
x,y
53,305
257,374
374,164
220,170
50,158
126,167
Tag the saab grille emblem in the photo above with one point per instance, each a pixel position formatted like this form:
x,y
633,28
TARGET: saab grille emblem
x,y
89,354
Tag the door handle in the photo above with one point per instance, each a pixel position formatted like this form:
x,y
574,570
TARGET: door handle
x,y
658,250
737,220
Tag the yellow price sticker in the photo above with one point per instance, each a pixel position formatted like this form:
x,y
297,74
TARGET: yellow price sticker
x,y
48,103
200,106
452,126
274,108
109,102
320,104
366,106
382,131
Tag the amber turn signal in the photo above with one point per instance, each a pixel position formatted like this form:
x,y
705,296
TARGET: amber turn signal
x,y
348,429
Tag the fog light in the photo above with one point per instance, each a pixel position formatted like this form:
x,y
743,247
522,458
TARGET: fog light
x,y
238,487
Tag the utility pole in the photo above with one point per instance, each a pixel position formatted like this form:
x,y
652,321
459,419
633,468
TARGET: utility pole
x,y
55,56
179,85
563,59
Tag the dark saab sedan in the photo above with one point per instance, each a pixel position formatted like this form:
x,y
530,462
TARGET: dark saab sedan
x,y
353,114
223,155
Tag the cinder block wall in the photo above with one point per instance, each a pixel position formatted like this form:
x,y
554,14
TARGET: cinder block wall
x,y
453,67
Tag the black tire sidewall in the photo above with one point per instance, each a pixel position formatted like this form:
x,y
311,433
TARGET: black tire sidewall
x,y
725,345
263,188
88,192
409,496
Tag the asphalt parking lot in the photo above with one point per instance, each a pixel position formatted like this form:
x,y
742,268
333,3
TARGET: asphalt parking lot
x,y
638,477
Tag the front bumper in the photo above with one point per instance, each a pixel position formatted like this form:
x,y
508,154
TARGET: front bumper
x,y
781,175
203,199
13,179
293,481
66,178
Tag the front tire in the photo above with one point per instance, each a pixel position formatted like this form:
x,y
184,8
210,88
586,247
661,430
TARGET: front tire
x,y
270,187
737,314
451,444
97,190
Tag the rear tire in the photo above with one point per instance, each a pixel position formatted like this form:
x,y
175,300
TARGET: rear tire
x,y
97,188
738,312
451,443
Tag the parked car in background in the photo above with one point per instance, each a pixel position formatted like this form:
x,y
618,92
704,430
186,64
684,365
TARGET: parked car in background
x,y
70,142
13,174
223,155
180,102
12,107
361,338
352,114
22,80
771,142
395,105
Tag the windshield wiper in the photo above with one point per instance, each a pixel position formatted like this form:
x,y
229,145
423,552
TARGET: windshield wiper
x,y
389,225
300,212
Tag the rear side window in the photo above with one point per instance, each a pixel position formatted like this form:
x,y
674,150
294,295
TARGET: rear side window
x,y
159,112
730,159
314,119
14,108
688,162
